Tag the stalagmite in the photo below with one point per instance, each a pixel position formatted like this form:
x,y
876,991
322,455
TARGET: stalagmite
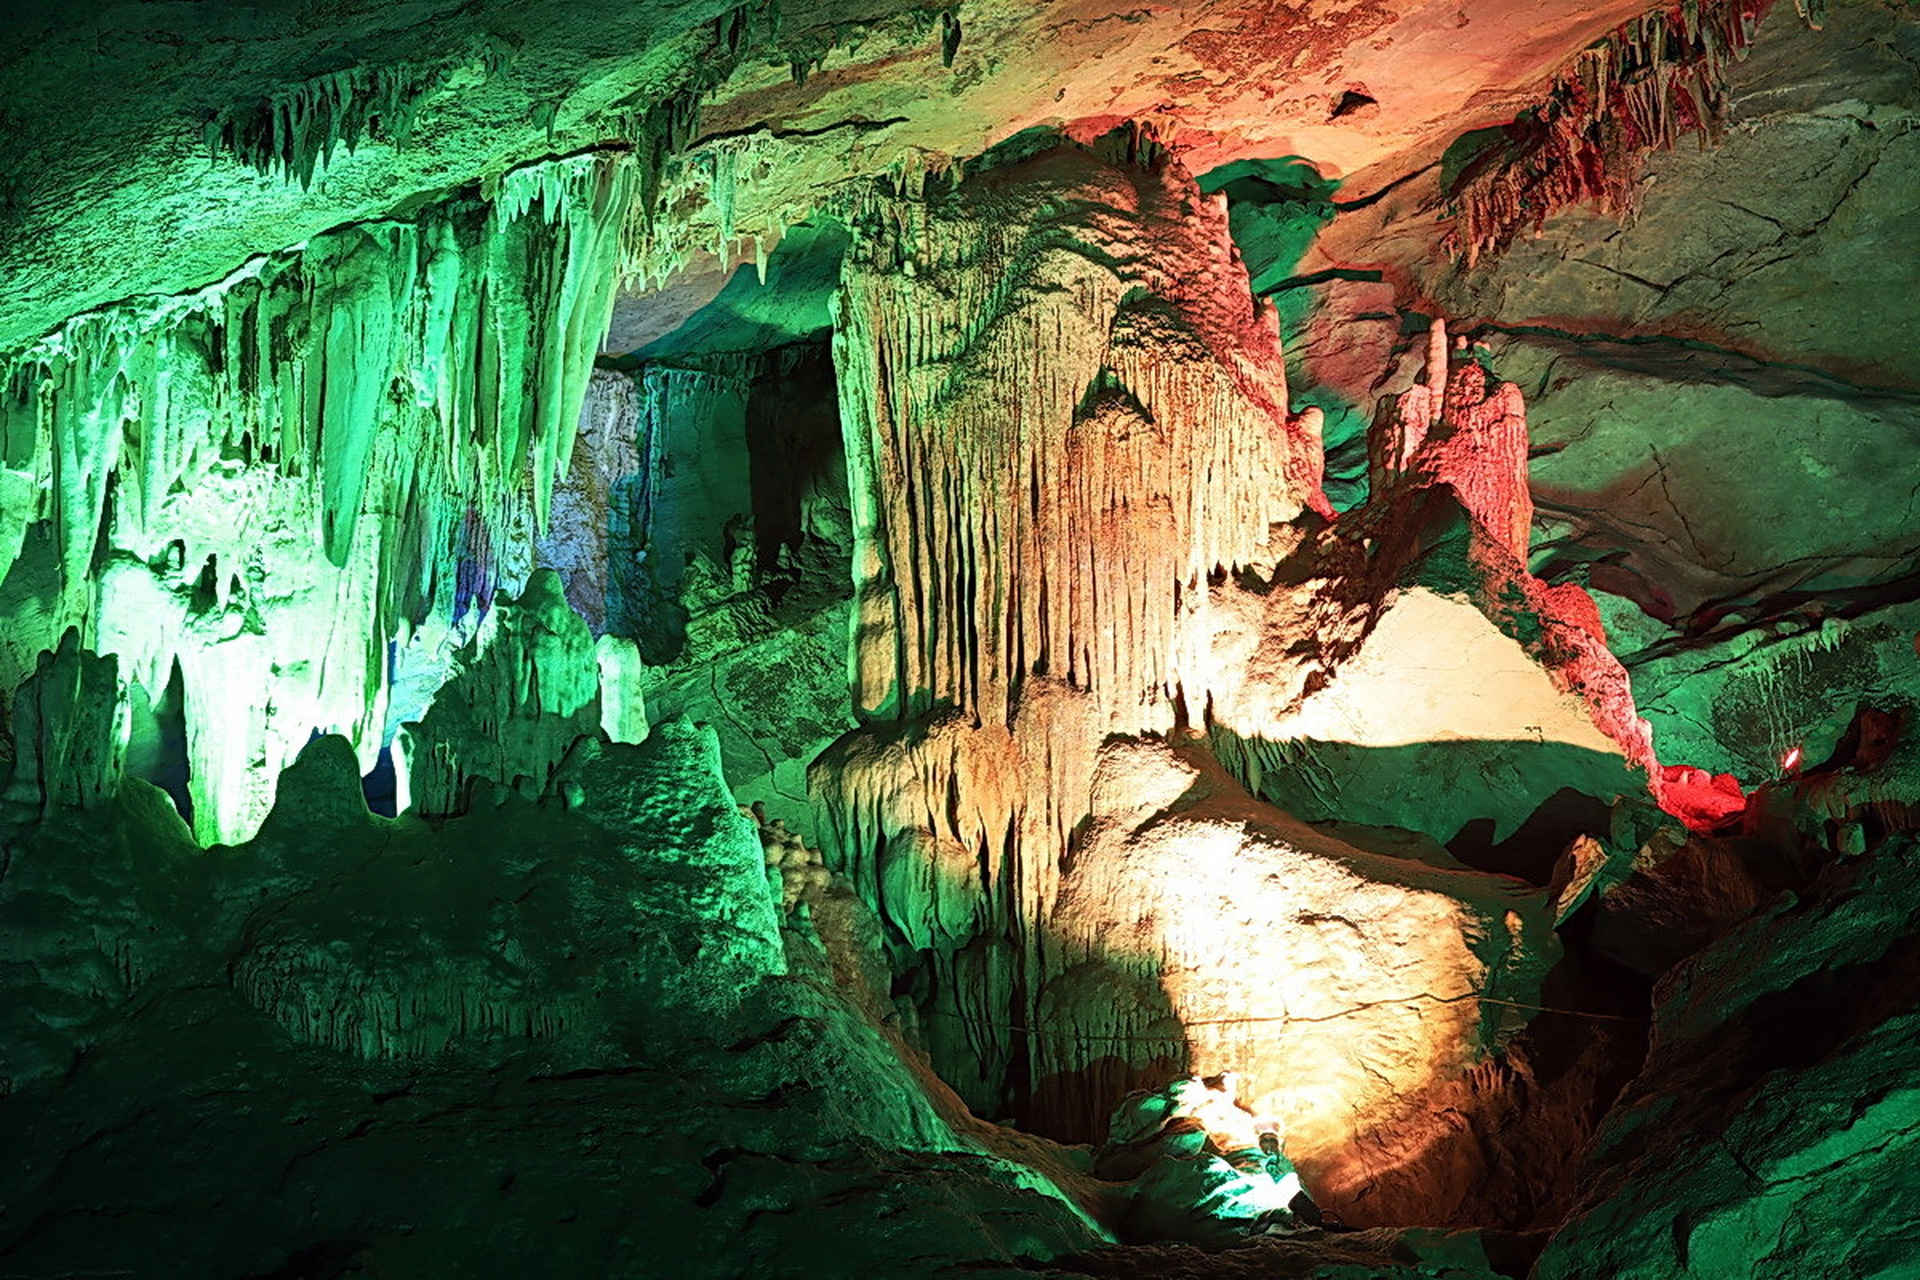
x,y
623,708
1454,436
635,888
69,730
522,693
1449,429
1451,433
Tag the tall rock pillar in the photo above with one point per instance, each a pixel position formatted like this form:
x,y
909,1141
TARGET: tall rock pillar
x,y
1063,411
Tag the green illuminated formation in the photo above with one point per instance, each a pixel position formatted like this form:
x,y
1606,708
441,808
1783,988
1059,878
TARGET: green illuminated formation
x,y
525,691
360,405
295,131
836,640
69,728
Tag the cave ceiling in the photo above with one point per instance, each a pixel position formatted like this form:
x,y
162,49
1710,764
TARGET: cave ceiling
x,y
842,90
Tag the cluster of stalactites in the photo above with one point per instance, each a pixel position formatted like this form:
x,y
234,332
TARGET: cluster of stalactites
x,y
294,131
260,482
471,331
732,194
1647,84
674,177
1063,411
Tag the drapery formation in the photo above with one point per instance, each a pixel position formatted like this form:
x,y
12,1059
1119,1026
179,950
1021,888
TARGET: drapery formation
x,y
1063,412
1073,467
262,483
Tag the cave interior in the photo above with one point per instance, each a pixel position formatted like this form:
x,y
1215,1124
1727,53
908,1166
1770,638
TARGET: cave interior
x,y
832,638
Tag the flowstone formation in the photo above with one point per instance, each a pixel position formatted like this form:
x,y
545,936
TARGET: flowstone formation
x,y
1008,639
1079,895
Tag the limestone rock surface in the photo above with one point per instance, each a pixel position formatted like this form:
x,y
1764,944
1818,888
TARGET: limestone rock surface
x,y
356,1042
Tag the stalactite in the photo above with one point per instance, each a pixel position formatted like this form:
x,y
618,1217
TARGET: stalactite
x,y
294,131
315,428
1041,457
1654,79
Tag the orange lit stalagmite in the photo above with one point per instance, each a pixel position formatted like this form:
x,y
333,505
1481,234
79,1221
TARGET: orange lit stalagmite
x,y
1087,525
1451,429
1458,431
